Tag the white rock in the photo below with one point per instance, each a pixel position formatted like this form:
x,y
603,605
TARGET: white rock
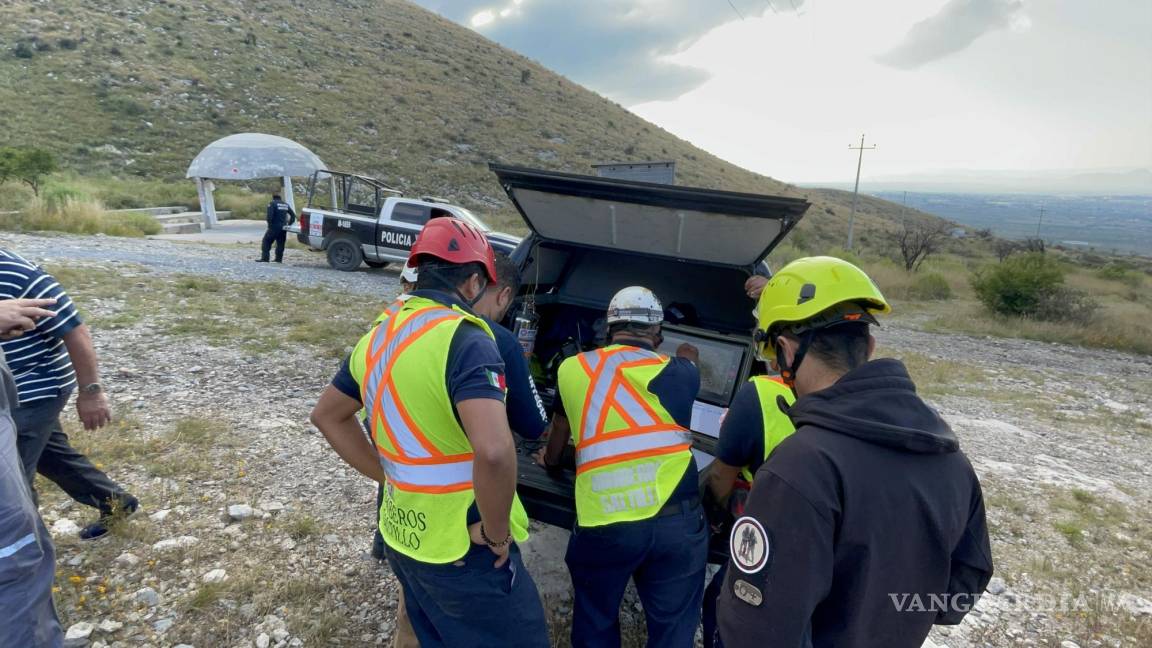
x,y
1069,644
183,646
128,559
163,625
288,545
81,630
147,596
996,586
109,626
280,634
65,527
215,576
175,543
263,640
238,512
160,516
272,507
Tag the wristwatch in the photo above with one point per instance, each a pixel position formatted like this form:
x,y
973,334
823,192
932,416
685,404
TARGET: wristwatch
x,y
94,388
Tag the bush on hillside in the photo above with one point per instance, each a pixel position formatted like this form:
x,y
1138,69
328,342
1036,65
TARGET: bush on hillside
x,y
1032,285
930,287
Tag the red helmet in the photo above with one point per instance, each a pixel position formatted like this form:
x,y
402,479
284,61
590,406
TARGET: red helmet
x,y
455,241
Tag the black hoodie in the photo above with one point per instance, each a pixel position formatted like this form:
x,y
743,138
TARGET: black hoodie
x,y
862,529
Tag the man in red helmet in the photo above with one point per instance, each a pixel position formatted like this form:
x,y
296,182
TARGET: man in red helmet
x,y
430,378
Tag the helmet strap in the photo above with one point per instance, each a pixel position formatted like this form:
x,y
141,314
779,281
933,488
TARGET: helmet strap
x,y
435,273
788,372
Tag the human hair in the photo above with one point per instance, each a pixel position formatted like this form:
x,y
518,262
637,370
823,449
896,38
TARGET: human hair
x,y
841,347
635,329
436,274
507,274
276,197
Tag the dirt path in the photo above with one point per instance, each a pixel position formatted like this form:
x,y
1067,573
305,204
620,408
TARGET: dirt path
x,y
1062,438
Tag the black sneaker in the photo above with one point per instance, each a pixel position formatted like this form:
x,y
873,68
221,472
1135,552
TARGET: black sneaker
x,y
278,261
261,260
129,507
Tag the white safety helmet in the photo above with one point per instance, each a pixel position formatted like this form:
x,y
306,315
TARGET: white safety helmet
x,y
635,304
409,274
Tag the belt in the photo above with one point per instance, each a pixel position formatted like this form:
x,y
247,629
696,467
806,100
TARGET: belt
x,y
682,505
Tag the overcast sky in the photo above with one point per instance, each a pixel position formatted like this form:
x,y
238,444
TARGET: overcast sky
x,y
784,86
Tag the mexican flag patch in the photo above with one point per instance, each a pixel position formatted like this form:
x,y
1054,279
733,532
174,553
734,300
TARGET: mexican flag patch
x,y
496,380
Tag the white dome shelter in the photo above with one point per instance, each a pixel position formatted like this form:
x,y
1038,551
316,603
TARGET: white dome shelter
x,y
250,156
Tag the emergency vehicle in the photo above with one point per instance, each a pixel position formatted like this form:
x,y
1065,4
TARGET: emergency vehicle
x,y
590,237
357,219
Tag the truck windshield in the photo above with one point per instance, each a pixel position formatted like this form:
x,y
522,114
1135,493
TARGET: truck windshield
x,y
472,218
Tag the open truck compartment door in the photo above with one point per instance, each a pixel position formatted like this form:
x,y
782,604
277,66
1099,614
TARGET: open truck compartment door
x,y
694,248
720,227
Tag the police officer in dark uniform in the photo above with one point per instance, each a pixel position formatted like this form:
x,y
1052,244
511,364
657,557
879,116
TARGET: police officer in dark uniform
x,y
278,216
865,527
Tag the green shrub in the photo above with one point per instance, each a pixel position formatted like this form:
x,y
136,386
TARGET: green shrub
x,y
930,287
1032,285
78,216
1113,271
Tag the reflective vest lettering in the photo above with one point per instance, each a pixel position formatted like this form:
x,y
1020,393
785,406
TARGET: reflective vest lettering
x,y
630,453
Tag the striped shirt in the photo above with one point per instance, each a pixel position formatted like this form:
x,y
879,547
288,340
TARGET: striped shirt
x,y
38,359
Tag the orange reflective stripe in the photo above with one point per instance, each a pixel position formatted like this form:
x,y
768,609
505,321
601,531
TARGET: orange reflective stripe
x,y
433,490
628,456
389,388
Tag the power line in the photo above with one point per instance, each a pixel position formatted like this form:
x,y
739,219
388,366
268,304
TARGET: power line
x,y
735,9
856,190
772,7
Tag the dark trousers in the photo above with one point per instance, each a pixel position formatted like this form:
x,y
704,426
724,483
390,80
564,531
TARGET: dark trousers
x,y
666,556
711,596
278,236
44,448
378,538
471,603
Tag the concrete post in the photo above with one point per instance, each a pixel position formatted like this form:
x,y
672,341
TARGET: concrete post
x,y
210,205
288,197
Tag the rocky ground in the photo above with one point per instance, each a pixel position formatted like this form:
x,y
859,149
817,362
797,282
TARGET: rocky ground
x,y
253,533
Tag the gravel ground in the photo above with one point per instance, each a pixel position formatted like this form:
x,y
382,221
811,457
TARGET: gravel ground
x,y
1061,437
229,262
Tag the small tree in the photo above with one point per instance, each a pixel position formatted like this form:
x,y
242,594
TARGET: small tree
x,y
1005,248
30,165
917,240
8,157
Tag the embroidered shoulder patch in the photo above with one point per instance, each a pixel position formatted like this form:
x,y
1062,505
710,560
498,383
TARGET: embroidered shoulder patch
x,y
747,592
748,545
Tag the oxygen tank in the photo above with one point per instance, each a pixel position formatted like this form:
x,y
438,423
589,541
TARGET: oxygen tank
x,y
525,327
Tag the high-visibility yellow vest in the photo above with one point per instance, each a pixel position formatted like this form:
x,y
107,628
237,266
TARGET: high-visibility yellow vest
x,y
777,425
630,453
425,454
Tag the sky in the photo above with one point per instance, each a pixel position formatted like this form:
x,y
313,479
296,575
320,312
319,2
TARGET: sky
x,y
784,87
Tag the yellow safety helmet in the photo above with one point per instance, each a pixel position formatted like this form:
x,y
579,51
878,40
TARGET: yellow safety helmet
x,y
813,293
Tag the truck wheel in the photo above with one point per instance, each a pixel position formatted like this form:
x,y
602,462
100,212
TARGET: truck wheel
x,y
344,255
376,264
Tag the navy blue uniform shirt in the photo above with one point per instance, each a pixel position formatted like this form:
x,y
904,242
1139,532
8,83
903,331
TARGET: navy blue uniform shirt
x,y
279,214
526,414
742,432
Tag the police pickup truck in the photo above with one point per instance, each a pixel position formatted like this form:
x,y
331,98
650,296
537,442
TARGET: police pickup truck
x,y
357,219
591,236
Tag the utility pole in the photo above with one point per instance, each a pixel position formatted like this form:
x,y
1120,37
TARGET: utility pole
x,y
1040,222
856,190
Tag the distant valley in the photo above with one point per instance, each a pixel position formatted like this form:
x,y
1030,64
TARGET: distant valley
x,y
1120,223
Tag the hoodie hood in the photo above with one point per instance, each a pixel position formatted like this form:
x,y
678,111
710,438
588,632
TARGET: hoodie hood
x,y
877,402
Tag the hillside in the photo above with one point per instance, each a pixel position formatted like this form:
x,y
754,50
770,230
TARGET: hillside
x,y
137,87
